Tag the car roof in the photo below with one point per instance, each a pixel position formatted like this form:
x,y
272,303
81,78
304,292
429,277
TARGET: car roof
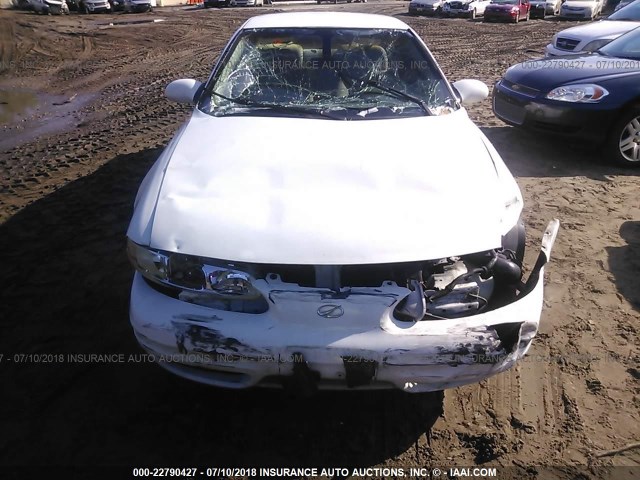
x,y
324,20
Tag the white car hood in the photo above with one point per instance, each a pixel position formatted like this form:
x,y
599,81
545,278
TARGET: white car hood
x,y
313,191
596,30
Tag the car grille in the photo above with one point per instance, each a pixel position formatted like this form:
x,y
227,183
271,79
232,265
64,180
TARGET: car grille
x,y
567,44
509,111
522,89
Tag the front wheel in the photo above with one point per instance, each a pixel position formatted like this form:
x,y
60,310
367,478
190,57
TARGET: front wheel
x,y
623,143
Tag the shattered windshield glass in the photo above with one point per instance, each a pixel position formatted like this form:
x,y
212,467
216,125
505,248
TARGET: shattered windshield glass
x,y
327,72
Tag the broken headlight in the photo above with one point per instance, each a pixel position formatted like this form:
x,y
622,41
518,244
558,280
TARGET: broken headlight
x,y
202,281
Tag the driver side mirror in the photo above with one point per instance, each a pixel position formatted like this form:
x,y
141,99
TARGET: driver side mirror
x,y
471,91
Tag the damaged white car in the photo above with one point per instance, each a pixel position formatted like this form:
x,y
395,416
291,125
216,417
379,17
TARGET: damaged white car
x,y
330,217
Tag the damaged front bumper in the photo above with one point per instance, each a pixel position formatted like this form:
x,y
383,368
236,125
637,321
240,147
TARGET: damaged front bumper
x,y
308,339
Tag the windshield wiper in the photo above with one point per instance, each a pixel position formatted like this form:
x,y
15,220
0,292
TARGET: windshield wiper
x,y
278,107
350,81
400,94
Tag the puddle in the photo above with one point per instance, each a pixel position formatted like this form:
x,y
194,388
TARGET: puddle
x,y
103,25
14,104
25,116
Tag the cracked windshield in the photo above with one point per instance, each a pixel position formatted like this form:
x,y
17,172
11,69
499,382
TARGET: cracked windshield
x,y
344,74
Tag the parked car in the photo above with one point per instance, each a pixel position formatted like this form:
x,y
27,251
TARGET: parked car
x,y
592,98
53,7
465,8
507,10
622,4
94,6
216,3
116,5
581,9
136,6
293,261
590,37
246,3
542,8
23,4
426,7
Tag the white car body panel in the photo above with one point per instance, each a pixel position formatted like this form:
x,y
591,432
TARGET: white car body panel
x,y
584,34
312,201
329,192
464,7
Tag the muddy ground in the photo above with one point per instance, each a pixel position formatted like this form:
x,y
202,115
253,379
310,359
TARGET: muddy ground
x,y
70,165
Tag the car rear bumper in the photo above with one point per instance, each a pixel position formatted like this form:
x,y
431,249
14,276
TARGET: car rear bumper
x,y
578,121
366,347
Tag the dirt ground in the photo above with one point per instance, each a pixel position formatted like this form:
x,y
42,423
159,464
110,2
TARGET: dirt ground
x,y
70,166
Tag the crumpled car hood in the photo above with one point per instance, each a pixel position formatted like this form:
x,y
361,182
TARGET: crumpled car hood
x,y
313,191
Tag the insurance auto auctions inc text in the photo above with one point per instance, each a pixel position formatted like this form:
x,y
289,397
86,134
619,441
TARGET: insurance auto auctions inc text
x,y
385,472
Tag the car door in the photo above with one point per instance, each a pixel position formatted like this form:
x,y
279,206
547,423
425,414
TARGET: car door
x,y
481,5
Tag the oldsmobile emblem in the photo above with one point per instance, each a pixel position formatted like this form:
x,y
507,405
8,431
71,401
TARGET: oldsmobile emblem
x,y
330,311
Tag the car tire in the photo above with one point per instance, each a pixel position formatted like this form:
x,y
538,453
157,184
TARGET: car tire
x,y
625,133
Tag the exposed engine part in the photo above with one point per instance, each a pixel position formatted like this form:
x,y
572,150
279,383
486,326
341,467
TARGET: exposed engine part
x,y
461,286
460,290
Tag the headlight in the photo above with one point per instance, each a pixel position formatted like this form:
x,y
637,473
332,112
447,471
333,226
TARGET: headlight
x,y
587,93
595,45
152,265
207,282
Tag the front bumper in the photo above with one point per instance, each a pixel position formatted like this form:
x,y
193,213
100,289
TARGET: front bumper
x,y
140,7
423,10
571,120
454,12
366,347
98,8
499,16
583,14
552,51
541,10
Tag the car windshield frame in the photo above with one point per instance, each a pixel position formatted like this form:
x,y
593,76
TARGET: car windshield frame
x,y
327,72
617,47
